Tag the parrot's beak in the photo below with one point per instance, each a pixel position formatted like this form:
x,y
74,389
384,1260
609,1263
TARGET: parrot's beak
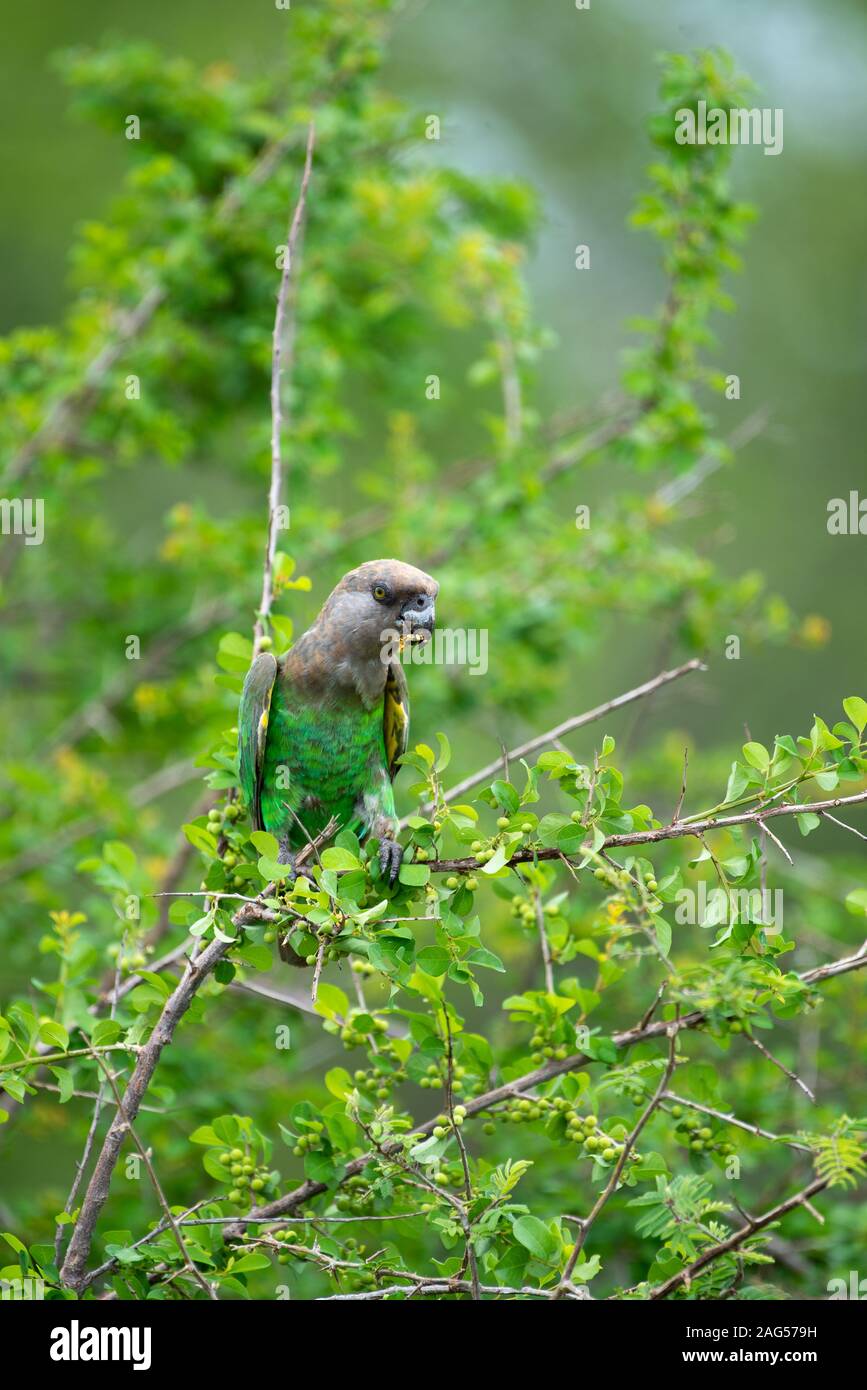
x,y
417,619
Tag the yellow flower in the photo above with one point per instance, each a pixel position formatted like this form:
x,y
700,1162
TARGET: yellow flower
x,y
815,630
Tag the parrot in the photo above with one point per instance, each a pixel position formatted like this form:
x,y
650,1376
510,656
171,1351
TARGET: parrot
x,y
320,730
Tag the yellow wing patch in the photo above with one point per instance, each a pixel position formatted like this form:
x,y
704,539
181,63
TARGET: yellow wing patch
x,y
395,718
262,732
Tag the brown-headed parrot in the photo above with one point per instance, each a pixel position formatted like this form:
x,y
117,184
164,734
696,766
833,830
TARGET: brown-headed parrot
x,y
320,730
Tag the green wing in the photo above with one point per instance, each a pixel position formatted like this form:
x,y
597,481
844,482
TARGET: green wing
x,y
395,716
253,730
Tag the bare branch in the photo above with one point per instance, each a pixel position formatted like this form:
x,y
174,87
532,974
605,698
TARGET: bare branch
x,y
725,1117
276,413
577,722
783,1068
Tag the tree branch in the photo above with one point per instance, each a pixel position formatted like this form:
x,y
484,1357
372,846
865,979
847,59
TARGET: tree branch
x,y
576,722
276,412
632,1036
675,831
724,1247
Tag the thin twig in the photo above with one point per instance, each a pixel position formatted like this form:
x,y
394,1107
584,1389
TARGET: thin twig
x,y
276,413
726,1118
611,1186
783,1068
724,1247
679,807
152,1174
576,722
522,1084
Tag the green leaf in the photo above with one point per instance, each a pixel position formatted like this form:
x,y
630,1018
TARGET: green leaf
x,y
247,1263
54,1033
445,756
586,1270
65,1083
271,871
120,857
506,795
339,1082
200,838
205,1134
856,902
413,875
856,711
535,1236
486,958
433,960
257,957
497,861
339,859
663,935
331,1002
108,1030
266,844
737,783
214,1168
234,653
757,756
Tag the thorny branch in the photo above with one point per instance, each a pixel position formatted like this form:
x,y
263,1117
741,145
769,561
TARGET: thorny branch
x,y
558,1067
676,831
199,967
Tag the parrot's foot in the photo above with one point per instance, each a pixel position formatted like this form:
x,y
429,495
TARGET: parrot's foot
x,y
390,859
288,952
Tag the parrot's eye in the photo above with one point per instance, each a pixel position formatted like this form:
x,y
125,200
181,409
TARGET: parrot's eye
x,y
380,593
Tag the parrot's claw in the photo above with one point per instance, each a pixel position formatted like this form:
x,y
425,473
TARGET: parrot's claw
x,y
390,859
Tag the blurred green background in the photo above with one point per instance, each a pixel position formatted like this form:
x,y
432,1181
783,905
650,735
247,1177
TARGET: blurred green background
x,y
559,97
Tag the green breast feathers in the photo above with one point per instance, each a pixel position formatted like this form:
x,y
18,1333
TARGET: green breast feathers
x,y
305,759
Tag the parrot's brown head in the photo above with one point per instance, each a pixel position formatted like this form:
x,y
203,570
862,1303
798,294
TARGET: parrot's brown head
x,y
382,596
374,607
